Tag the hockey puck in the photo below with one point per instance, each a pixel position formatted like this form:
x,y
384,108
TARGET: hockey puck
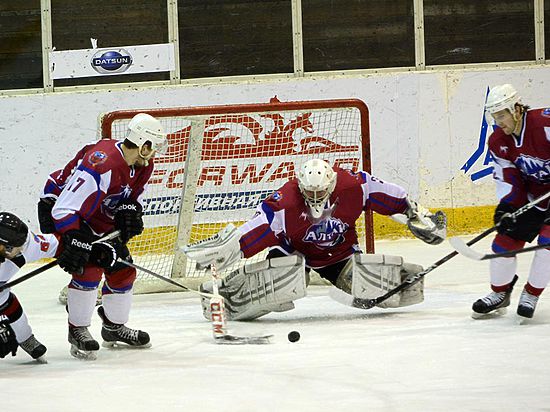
x,y
294,336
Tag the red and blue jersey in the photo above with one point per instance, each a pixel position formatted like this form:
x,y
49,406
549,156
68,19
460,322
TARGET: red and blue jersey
x,y
58,179
100,179
283,219
522,163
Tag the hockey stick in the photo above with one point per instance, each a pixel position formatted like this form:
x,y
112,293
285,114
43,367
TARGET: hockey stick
x,y
411,280
29,275
461,247
472,254
50,265
164,278
217,308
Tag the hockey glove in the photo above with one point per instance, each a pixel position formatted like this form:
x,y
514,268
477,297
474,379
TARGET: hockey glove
x,y
128,219
524,227
104,254
45,219
429,227
77,248
8,343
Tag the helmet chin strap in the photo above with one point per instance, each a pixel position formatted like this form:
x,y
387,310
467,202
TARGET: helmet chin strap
x,y
145,158
518,119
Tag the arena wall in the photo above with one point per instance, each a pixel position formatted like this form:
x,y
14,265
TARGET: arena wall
x,y
427,131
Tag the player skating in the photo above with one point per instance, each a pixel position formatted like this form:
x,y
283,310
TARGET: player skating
x,y
520,148
309,223
101,192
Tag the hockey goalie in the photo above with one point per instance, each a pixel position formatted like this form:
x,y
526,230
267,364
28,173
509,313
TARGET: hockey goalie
x,y
309,224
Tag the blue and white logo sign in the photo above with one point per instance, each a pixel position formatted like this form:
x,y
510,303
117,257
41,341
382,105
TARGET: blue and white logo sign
x,y
479,165
111,61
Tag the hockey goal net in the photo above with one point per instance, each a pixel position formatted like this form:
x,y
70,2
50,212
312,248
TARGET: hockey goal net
x,y
223,160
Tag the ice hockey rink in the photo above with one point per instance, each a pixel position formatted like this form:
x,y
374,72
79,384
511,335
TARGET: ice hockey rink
x,y
428,357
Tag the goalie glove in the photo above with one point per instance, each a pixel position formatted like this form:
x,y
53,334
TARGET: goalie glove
x,y
222,249
425,225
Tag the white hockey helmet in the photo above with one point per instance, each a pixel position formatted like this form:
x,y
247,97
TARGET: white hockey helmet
x,y
145,128
316,180
502,97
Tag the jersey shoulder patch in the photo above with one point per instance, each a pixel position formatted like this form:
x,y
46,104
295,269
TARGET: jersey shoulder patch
x,y
276,196
97,157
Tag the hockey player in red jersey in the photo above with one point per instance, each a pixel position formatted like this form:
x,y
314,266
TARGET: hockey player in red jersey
x,y
53,188
520,147
102,193
312,217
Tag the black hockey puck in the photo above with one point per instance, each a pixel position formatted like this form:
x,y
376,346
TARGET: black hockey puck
x,y
294,336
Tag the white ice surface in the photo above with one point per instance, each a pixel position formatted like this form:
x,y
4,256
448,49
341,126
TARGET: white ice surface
x,y
427,357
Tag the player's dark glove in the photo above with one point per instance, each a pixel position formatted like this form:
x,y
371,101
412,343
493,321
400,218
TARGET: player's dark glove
x,y
8,343
45,219
105,254
503,217
128,219
77,248
524,227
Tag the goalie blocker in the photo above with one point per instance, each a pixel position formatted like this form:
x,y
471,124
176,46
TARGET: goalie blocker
x,y
273,285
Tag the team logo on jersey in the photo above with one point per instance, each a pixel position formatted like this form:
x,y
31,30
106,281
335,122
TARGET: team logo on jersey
x,y
97,157
276,196
326,233
41,240
111,202
546,112
536,169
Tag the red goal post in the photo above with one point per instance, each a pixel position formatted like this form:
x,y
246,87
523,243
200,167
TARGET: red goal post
x,y
223,160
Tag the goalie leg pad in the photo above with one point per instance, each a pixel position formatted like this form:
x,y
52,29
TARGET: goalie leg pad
x,y
256,289
374,275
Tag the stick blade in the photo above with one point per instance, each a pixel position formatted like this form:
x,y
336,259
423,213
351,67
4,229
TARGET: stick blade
x,y
462,248
243,340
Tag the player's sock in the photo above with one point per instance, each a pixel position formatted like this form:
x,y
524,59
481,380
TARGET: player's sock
x,y
527,304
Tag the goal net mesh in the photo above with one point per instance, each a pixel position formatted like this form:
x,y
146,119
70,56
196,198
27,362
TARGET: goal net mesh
x,y
226,160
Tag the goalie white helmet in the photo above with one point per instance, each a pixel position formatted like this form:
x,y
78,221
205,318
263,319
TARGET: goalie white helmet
x,y
316,181
502,97
145,128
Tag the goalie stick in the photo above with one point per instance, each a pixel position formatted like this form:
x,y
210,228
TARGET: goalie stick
x,y
218,324
50,265
472,254
464,249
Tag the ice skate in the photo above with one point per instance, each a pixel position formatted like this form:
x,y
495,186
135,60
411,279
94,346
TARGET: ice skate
x,y
34,348
114,334
83,345
494,304
527,305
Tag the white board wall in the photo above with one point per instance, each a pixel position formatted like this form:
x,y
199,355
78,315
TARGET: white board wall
x,y
424,126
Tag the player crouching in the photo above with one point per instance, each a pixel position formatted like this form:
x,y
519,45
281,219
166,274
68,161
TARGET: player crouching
x,y
18,246
309,223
